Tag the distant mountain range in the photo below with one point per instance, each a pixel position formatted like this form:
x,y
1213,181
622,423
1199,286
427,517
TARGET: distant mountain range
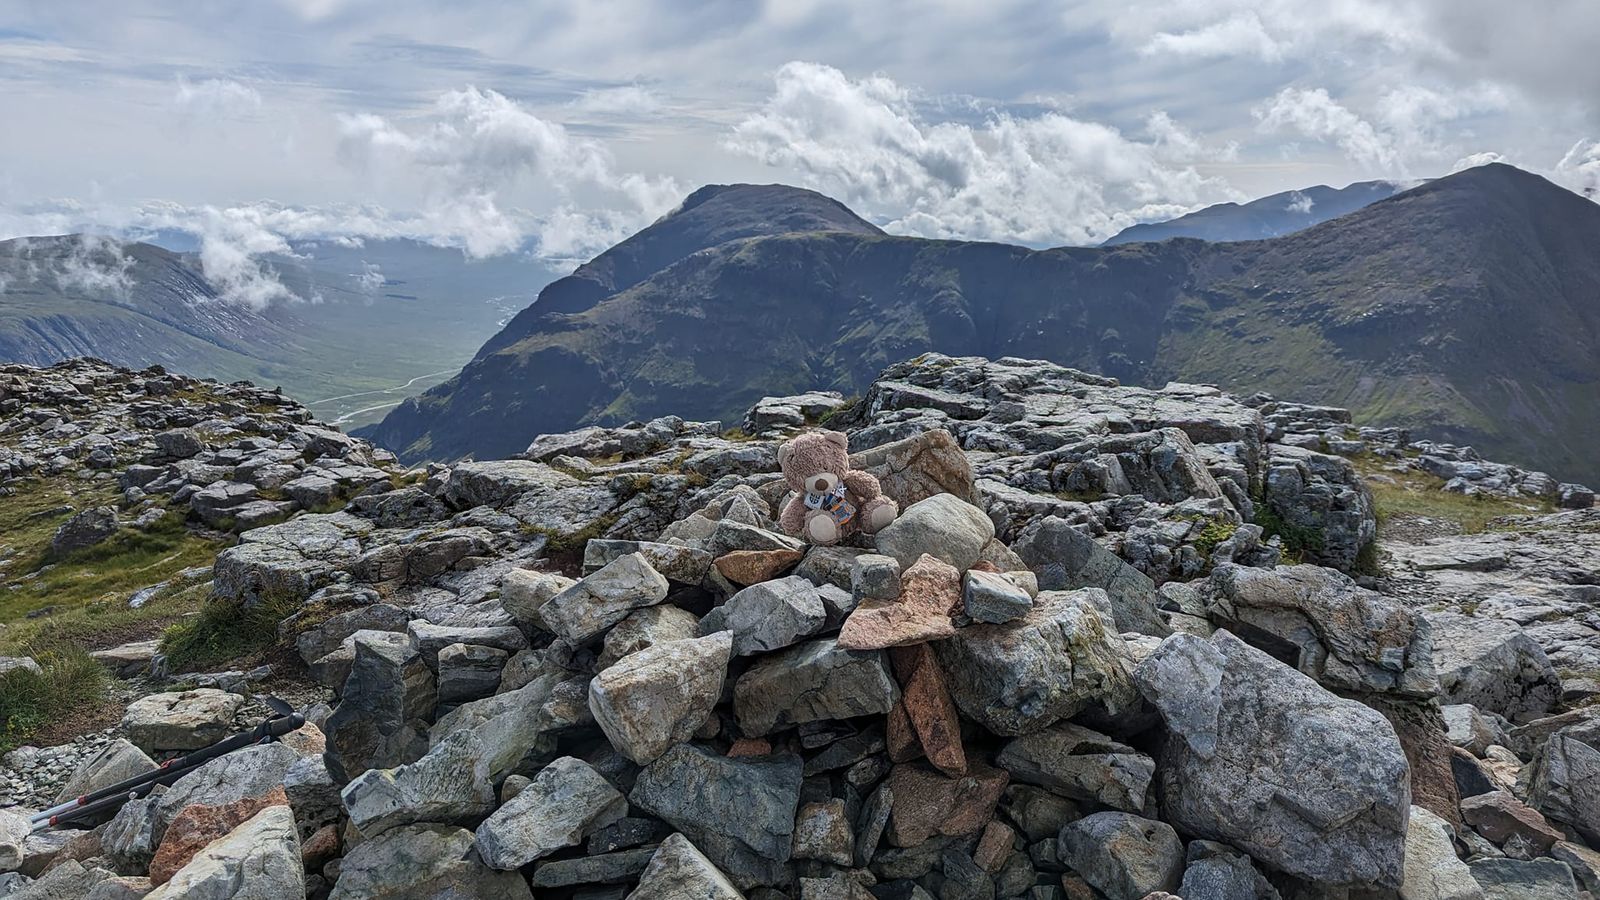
x,y
379,321
1467,308
1271,216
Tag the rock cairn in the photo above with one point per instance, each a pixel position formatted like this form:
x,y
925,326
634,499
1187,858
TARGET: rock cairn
x,y
1075,667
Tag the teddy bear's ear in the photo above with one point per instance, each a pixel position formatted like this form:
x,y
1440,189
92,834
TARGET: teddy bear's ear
x,y
784,451
837,437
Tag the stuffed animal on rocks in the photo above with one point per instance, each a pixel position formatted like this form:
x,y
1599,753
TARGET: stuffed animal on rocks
x,y
831,501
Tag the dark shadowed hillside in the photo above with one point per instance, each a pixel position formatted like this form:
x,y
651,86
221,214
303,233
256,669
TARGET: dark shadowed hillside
x,y
1468,308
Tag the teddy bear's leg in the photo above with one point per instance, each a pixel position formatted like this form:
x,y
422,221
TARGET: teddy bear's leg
x,y
821,528
878,513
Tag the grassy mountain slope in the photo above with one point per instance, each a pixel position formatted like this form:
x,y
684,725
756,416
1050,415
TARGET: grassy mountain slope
x,y
1468,307
1271,216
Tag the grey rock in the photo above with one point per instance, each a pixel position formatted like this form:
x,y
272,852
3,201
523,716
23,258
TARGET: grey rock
x,y
603,868
85,529
181,720
523,592
1585,863
603,598
382,717
1346,637
450,784
833,565
993,598
179,443
685,565
822,832
874,576
679,871
739,812
661,695
1219,872
1020,677
14,663
943,526
1256,749
1323,494
565,802
1515,879
646,628
14,831
1432,869
469,672
1471,730
259,860
1122,855
423,862
1565,784
1064,558
814,681
317,642
773,615
117,761
430,638
1080,764
1493,665
312,794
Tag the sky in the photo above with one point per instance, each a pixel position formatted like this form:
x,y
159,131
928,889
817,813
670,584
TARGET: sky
x,y
557,128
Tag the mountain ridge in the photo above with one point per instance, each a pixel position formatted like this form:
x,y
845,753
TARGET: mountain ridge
x,y
1271,216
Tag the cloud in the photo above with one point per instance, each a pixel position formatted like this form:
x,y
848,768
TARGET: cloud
x,y
1299,203
87,264
475,145
1313,114
1474,160
215,98
1043,179
370,279
629,101
1579,169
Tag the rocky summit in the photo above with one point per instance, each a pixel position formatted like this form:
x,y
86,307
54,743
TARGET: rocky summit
x,y
1122,643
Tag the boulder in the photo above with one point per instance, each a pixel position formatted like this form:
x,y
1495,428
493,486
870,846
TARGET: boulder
x,y
1566,784
874,576
1516,879
1064,558
259,860
661,695
1259,756
930,593
1432,869
117,761
646,628
942,526
1020,677
993,598
1500,816
1346,637
523,592
14,831
822,832
1081,765
85,529
566,801
926,804
382,717
811,682
739,811
181,720
747,567
685,565
1492,665
773,615
450,784
679,871
430,639
468,672
919,467
601,599
1218,872
1124,856
196,826
423,862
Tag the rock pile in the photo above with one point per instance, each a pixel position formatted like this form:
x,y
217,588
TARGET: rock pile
x,y
1075,667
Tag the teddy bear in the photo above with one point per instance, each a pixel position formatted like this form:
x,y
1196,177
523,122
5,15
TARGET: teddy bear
x,y
831,501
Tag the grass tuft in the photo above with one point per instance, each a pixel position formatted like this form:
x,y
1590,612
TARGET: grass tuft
x,y
70,682
223,631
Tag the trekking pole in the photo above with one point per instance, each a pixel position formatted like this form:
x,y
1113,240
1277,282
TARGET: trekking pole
x,y
113,796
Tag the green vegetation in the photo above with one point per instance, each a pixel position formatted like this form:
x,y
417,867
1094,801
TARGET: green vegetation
x,y
31,579
224,631
70,683
1414,494
1212,535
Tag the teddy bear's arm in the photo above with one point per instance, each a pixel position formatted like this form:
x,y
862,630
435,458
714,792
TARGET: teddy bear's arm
x,y
793,518
863,484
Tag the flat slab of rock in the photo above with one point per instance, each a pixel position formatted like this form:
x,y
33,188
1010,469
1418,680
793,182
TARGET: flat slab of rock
x,y
1262,757
929,712
814,681
181,720
773,615
747,567
451,784
661,695
423,862
195,827
1023,676
739,812
928,804
930,593
1081,764
1493,665
259,860
1064,558
566,801
601,599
